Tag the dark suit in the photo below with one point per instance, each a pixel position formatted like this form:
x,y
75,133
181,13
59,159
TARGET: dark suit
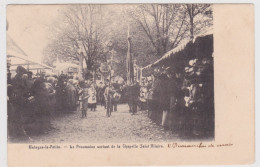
x,y
133,93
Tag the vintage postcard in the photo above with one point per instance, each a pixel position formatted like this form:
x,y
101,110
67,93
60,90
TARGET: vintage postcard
x,y
130,84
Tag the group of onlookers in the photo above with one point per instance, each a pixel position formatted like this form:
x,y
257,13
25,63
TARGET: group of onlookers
x,y
34,99
181,100
30,100
159,93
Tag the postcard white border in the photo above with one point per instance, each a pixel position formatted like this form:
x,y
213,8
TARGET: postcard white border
x,y
3,106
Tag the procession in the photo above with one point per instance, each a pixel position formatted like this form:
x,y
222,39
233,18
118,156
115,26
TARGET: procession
x,y
112,91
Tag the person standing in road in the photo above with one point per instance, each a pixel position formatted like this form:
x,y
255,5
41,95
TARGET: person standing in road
x,y
108,94
83,99
92,100
133,93
116,95
71,94
115,100
104,95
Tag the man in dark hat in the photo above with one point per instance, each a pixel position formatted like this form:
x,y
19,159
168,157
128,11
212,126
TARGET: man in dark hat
x,y
19,101
19,86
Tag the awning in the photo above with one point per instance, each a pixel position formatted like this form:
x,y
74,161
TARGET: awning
x,y
19,58
178,49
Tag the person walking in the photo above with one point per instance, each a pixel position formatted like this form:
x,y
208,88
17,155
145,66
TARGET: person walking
x,y
133,93
115,100
92,100
116,95
108,94
104,95
83,100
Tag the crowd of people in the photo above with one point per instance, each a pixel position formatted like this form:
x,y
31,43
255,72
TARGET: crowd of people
x,y
181,101
34,98
158,94
170,97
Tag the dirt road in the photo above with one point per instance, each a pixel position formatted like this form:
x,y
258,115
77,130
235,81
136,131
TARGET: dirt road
x,y
97,128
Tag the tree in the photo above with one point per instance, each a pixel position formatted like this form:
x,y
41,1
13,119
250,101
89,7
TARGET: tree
x,y
164,24
200,17
154,28
79,33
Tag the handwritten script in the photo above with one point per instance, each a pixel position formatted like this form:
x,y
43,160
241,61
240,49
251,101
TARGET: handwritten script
x,y
199,145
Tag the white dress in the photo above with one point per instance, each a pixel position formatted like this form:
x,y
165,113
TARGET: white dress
x,y
92,96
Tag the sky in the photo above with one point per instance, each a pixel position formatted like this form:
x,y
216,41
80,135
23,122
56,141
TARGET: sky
x,y
29,26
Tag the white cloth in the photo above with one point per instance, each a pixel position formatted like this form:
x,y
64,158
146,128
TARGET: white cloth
x,y
92,96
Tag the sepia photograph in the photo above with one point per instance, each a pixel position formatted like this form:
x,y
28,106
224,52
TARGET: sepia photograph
x,y
110,73
93,84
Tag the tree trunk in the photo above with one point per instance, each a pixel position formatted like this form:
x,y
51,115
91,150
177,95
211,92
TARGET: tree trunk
x,y
89,65
191,28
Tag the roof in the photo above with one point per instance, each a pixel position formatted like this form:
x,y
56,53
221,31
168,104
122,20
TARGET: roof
x,y
65,65
19,57
178,49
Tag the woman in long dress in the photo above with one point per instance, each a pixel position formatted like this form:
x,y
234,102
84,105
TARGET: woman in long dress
x,y
92,100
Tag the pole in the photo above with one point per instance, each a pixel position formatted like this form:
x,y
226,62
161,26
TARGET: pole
x,y
110,75
130,68
109,87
